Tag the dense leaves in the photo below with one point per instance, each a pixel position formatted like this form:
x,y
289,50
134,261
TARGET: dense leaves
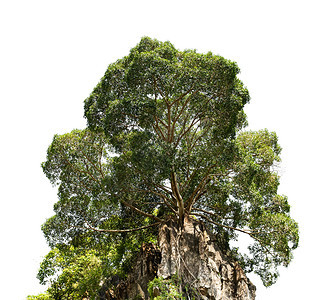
x,y
165,139
79,273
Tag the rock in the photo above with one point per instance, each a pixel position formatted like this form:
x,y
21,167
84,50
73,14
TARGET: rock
x,y
191,253
144,270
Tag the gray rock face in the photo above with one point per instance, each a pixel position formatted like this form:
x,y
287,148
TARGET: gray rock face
x,y
191,252
136,285
144,270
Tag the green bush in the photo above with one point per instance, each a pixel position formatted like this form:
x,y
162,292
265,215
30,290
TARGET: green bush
x,y
43,296
165,289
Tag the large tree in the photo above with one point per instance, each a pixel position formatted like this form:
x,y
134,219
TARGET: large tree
x,y
166,140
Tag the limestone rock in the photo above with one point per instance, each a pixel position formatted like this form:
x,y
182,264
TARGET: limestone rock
x,y
136,285
192,253
145,270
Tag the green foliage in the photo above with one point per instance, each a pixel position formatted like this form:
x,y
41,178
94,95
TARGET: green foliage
x,y
165,289
42,296
71,273
165,139
266,213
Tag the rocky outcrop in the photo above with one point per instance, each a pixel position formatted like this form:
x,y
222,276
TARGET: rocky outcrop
x,y
191,253
145,270
136,285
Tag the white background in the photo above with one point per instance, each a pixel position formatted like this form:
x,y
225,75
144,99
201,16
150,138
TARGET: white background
x,y
53,53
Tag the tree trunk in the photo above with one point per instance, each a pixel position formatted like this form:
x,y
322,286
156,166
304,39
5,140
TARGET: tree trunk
x,y
190,254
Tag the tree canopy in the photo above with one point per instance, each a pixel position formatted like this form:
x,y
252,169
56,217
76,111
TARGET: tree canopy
x,y
166,139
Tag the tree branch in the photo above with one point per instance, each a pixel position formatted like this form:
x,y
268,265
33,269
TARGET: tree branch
x,y
85,155
183,131
158,131
113,230
179,199
181,96
159,90
77,169
182,109
222,225
162,196
194,196
140,211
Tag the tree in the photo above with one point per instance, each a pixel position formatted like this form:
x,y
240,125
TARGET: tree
x,y
166,140
79,276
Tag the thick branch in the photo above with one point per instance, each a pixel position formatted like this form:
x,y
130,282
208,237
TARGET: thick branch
x,y
169,131
198,192
195,195
159,132
179,199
